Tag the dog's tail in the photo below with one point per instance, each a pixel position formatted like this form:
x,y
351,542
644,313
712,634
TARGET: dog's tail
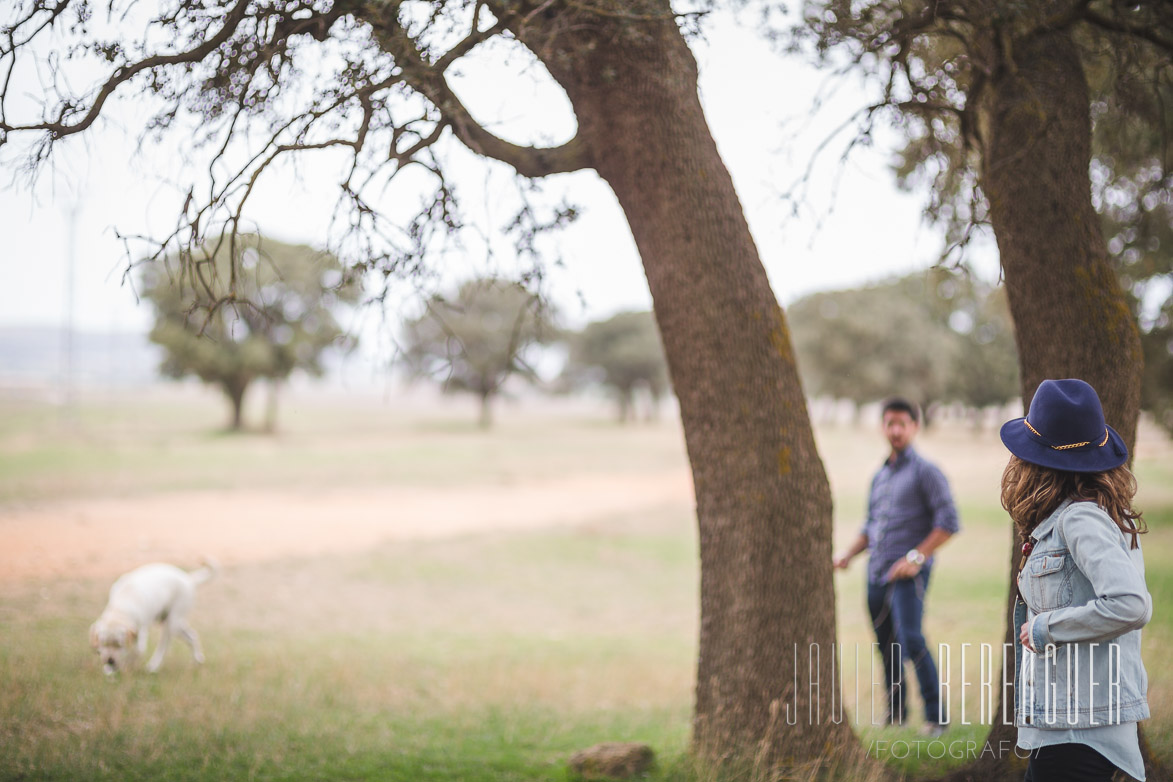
x,y
205,573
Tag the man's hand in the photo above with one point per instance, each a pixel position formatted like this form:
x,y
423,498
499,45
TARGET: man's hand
x,y
903,570
841,560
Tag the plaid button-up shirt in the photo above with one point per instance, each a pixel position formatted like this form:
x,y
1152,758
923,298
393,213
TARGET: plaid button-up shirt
x,y
909,498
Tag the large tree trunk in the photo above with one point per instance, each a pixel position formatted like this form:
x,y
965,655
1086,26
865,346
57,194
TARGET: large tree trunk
x,y
763,499
1070,315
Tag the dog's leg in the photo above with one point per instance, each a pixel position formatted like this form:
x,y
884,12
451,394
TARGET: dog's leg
x,y
188,633
161,649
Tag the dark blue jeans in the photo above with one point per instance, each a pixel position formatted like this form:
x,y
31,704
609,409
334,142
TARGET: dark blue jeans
x,y
897,609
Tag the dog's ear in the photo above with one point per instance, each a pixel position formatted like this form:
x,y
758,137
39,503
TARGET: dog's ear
x,y
94,636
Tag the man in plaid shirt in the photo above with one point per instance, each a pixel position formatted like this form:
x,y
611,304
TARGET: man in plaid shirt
x,y
910,514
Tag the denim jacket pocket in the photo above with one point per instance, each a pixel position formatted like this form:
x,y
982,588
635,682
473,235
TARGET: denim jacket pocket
x,y
1050,581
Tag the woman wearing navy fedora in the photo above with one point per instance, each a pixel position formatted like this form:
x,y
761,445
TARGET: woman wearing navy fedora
x,y
1080,685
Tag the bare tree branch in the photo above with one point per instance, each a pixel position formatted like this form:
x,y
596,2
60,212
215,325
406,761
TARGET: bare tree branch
x,y
60,126
250,99
467,45
429,80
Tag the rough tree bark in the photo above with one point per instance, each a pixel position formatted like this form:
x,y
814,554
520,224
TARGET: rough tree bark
x,y
763,499
1070,314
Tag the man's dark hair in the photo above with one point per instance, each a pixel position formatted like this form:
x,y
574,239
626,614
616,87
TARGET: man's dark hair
x,y
901,405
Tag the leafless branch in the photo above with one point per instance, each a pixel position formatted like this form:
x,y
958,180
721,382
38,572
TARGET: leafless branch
x,y
251,105
60,126
429,80
467,45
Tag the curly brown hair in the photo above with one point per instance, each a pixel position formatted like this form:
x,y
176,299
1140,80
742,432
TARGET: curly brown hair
x,y
1030,494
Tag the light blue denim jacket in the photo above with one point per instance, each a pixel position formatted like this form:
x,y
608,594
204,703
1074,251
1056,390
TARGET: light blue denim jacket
x,y
1085,591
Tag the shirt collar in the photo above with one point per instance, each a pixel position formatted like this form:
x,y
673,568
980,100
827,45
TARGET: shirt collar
x,y
902,458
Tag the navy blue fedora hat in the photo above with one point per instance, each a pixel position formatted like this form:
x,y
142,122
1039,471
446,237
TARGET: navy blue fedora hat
x,y
1065,430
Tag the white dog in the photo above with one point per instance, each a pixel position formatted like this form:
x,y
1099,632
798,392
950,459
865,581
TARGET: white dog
x,y
152,593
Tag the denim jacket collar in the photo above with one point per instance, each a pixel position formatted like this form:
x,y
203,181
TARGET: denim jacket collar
x,y
1045,525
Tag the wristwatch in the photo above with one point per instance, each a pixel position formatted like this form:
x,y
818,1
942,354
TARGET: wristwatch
x,y
915,557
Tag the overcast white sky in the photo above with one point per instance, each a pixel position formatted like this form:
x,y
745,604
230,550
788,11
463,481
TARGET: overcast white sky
x,y
757,103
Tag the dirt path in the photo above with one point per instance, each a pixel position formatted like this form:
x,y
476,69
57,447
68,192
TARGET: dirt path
x,y
103,537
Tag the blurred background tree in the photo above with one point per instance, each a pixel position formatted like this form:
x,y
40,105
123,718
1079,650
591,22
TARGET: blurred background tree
x,y
873,342
986,372
281,320
623,354
936,336
1157,391
1132,188
478,339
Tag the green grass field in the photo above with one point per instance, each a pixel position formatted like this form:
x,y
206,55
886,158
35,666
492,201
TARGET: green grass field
x,y
489,656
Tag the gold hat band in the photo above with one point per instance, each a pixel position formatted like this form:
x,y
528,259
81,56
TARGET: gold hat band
x,y
1066,447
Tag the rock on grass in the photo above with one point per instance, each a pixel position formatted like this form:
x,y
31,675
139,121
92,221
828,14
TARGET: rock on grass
x,y
615,760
